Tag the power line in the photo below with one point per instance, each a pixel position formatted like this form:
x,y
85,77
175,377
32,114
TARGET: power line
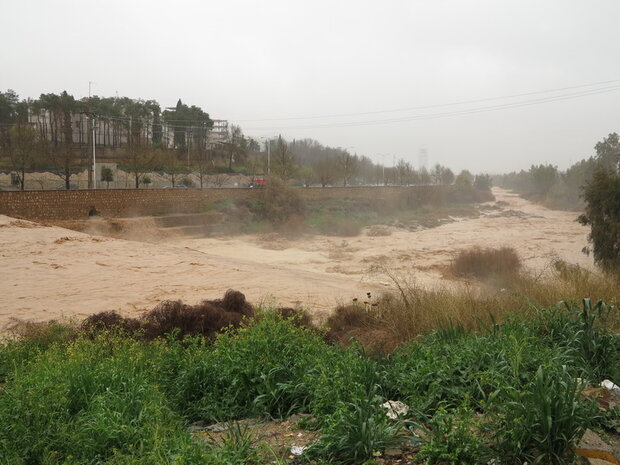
x,y
445,114
438,105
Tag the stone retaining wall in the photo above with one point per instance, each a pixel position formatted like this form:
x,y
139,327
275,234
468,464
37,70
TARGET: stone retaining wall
x,y
119,203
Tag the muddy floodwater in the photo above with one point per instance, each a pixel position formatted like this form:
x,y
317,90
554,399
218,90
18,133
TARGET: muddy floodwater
x,y
49,272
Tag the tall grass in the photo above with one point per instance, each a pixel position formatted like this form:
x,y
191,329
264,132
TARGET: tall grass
x,y
412,310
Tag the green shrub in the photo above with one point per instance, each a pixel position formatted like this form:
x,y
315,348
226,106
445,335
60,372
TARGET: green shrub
x,y
258,370
279,202
481,263
93,401
610,420
29,340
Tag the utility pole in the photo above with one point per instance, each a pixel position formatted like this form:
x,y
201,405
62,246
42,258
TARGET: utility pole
x,y
383,166
268,157
94,155
93,121
188,136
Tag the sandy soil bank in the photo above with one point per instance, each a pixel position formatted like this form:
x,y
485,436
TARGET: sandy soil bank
x,y
48,272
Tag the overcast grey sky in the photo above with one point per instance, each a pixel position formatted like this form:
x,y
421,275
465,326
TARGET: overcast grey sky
x,y
253,61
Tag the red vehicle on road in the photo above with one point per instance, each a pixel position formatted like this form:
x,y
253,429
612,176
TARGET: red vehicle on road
x,y
259,182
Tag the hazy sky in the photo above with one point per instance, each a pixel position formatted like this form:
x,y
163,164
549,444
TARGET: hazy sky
x,y
253,61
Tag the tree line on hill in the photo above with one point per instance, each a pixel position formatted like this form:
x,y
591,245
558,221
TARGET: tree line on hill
x,y
55,133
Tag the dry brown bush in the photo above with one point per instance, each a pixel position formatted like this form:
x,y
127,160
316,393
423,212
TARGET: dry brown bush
x,y
359,323
297,316
186,319
106,321
207,318
479,262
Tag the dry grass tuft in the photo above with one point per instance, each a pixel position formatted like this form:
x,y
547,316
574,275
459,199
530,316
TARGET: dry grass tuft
x,y
478,262
355,322
411,310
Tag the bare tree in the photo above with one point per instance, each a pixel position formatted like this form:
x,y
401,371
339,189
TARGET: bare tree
x,y
436,173
348,166
22,150
173,165
203,160
325,171
403,168
284,161
141,160
237,146
66,160
220,179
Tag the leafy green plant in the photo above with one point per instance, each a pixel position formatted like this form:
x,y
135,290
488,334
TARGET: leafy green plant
x,y
454,438
610,420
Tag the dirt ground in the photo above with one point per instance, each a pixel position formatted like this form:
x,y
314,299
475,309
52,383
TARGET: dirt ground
x,y
50,272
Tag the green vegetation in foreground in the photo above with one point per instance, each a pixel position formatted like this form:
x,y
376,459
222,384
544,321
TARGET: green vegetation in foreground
x,y
509,392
